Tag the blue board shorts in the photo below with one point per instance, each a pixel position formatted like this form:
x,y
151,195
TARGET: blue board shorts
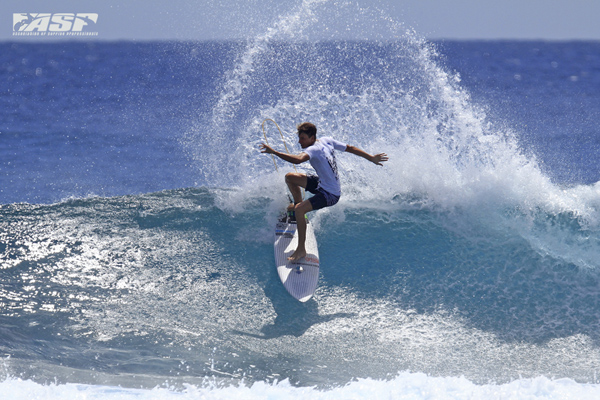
x,y
321,198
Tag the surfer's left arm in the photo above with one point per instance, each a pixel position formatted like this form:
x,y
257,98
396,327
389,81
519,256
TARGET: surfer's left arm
x,y
376,159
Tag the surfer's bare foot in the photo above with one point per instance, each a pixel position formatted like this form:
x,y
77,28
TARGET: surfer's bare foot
x,y
298,254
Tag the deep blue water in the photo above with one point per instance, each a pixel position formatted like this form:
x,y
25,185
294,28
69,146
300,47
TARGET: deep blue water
x,y
101,118
136,217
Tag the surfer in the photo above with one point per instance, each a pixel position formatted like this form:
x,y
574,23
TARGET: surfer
x,y
325,185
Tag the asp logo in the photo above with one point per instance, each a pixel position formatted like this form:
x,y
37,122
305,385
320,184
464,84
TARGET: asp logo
x,y
54,24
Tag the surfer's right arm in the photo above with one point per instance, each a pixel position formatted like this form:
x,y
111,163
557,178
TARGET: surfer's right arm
x,y
292,158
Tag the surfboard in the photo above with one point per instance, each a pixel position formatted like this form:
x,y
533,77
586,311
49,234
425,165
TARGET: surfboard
x,y
300,277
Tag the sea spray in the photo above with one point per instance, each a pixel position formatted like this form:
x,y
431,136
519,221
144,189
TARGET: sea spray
x,y
379,94
390,93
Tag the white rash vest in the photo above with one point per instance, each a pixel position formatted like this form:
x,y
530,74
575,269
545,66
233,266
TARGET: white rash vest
x,y
322,159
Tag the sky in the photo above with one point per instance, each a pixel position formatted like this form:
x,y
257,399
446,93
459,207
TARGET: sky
x,y
233,19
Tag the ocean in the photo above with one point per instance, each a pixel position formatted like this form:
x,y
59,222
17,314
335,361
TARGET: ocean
x,y
137,215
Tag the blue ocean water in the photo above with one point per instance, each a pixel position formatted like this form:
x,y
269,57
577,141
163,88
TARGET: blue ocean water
x,y
136,217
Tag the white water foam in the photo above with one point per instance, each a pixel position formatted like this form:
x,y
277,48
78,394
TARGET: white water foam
x,y
405,386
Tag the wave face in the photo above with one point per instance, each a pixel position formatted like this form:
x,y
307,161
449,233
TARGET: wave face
x,y
181,284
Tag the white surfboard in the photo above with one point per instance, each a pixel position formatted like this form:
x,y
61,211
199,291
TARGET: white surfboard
x,y
300,277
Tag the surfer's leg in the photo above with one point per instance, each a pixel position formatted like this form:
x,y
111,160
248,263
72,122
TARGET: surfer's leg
x,y
301,210
295,182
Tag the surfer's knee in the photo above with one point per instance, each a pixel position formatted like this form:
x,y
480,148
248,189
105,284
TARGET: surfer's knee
x,y
303,207
293,178
290,176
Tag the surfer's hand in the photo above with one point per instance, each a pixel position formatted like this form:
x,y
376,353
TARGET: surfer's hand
x,y
379,158
266,149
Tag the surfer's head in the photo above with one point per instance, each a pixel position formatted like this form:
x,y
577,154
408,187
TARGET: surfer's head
x,y
307,134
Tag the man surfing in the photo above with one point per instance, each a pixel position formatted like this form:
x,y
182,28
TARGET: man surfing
x,y
325,185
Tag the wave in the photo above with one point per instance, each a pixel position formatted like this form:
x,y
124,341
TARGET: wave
x,y
183,281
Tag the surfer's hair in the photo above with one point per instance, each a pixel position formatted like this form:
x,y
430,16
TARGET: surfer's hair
x,y
308,128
